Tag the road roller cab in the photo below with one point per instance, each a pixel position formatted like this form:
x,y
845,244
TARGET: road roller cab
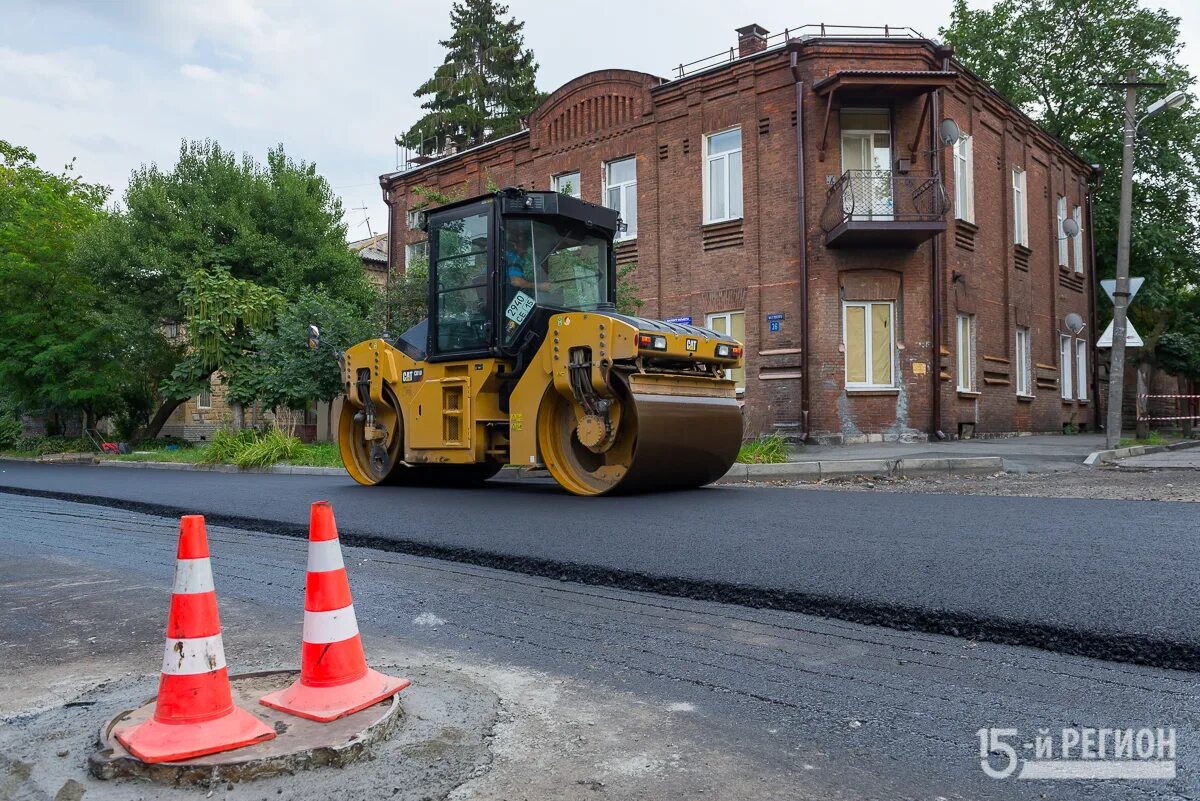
x,y
525,360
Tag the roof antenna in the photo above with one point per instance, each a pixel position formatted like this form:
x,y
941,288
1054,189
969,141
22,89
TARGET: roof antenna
x,y
366,218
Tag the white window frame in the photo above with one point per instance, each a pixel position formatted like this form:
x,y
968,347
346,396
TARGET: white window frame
x,y
1066,366
964,179
200,404
410,251
728,316
1077,241
625,188
556,182
1081,369
868,344
1023,362
1020,186
723,158
964,337
414,219
1063,239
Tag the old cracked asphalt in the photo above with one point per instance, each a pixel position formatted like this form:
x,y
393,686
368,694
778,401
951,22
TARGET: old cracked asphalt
x,y
1109,579
598,692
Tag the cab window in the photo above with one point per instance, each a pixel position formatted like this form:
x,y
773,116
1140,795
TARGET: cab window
x,y
460,293
557,265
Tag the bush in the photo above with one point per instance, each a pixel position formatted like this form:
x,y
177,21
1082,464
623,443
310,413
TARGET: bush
x,y
40,446
274,446
770,449
226,445
10,425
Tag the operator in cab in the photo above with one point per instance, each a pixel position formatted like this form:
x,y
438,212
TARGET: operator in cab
x,y
519,266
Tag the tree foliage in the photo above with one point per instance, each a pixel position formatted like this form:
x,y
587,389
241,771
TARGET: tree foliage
x,y
404,302
1048,57
221,244
61,346
485,86
291,374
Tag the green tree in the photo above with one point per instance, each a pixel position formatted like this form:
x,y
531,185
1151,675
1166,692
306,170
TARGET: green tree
x,y
292,374
220,243
61,348
404,302
485,86
1048,57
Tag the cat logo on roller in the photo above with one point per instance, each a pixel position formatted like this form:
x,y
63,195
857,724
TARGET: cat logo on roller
x,y
524,359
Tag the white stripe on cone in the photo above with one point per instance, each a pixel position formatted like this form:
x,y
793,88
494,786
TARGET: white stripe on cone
x,y
325,555
195,655
193,576
335,626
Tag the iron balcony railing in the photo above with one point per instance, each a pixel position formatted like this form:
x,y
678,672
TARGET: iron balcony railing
x,y
884,196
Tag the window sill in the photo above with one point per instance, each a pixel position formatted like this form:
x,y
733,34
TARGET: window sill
x,y
718,223
626,241
969,393
869,391
1026,398
1024,250
1073,401
969,225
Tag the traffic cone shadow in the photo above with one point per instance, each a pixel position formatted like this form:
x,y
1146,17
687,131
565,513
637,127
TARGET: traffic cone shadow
x,y
335,680
194,713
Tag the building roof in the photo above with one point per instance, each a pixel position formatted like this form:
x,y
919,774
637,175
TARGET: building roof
x,y
371,249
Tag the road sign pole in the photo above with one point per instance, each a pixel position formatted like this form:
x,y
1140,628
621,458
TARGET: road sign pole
x,y
1116,369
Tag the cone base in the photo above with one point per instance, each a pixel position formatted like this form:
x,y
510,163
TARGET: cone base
x,y
324,704
154,741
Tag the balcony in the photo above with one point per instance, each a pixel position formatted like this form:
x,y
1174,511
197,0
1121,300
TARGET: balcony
x,y
884,210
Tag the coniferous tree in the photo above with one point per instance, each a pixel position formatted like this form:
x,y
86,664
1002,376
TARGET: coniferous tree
x,y
485,86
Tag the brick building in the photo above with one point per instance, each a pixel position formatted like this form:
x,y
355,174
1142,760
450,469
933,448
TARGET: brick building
x,y
803,192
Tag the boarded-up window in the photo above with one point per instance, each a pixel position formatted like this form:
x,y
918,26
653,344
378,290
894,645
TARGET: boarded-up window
x,y
870,345
732,323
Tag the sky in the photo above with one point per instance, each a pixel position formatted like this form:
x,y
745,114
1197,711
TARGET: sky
x,y
118,84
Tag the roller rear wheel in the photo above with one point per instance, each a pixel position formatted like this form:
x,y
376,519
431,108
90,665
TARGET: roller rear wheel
x,y
376,462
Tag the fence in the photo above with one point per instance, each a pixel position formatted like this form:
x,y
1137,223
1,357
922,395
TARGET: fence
x,y
1188,405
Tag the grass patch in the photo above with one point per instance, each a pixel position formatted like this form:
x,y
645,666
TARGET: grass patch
x,y
42,446
769,449
317,454
1153,438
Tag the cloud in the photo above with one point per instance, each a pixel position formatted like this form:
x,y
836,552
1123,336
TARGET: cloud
x,y
198,72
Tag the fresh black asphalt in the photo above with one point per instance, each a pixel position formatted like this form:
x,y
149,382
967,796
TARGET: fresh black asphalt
x,y
1110,579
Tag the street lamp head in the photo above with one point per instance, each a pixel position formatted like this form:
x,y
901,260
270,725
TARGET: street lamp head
x,y
1173,100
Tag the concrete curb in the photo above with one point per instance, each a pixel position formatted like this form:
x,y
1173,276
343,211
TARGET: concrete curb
x,y
738,474
867,468
1101,457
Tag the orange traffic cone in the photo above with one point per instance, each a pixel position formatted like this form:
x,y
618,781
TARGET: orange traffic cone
x,y
334,678
194,713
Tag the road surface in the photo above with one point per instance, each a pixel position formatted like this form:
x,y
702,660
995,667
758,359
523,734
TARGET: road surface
x,y
1110,579
595,692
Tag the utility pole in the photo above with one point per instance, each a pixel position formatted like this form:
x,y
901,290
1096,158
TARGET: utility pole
x,y
1116,367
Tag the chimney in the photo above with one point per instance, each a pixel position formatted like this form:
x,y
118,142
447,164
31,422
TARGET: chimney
x,y
751,39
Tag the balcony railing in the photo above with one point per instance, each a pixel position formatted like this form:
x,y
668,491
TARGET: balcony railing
x,y
884,209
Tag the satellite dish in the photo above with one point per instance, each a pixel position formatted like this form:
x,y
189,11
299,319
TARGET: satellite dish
x,y
1070,227
1074,323
948,132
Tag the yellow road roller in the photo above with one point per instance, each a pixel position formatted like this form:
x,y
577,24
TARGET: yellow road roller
x,y
525,360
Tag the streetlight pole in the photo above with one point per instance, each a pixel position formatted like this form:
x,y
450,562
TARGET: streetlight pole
x,y
1116,367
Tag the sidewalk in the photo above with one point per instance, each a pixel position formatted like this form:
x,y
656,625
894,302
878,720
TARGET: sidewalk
x,y
1041,453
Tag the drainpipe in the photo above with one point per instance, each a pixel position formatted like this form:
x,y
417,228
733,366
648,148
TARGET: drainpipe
x,y
935,278
1093,287
805,380
387,275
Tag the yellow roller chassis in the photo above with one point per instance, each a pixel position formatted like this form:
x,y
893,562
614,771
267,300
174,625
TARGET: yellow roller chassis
x,y
524,360
441,422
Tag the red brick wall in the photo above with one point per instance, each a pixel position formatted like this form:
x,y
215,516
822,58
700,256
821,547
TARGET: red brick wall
x,y
687,268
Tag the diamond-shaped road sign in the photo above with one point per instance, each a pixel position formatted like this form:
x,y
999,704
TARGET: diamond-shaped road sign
x,y
1109,285
1132,340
